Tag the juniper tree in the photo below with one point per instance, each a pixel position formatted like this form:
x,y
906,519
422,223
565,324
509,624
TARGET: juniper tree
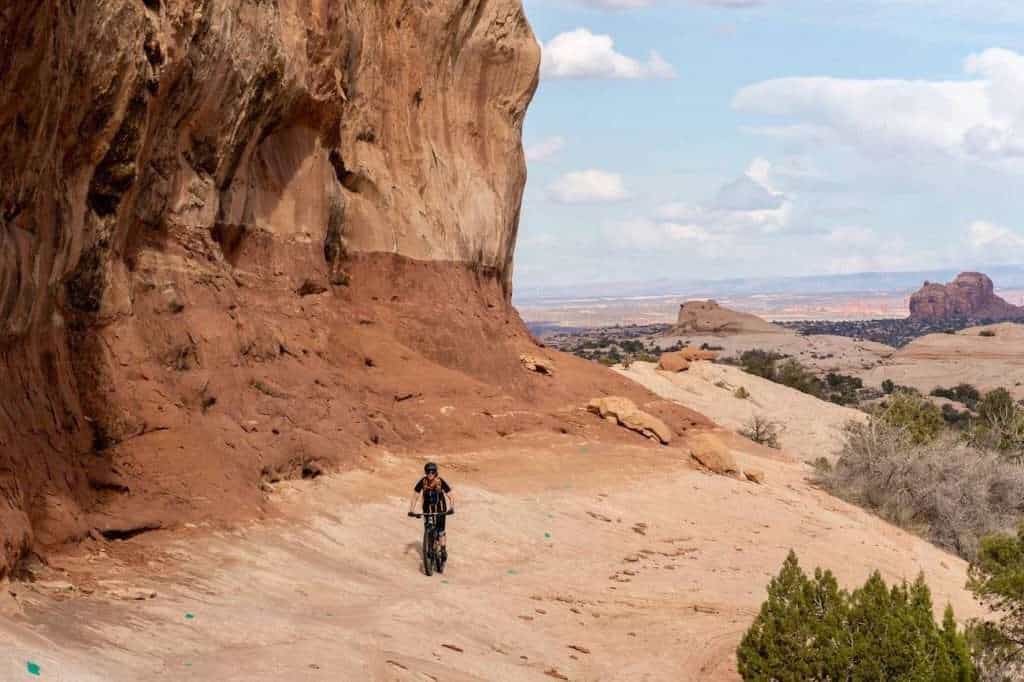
x,y
811,630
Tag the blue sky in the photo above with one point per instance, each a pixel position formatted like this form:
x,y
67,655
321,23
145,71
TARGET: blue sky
x,y
732,138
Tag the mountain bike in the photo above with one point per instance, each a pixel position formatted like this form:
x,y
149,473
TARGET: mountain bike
x,y
432,558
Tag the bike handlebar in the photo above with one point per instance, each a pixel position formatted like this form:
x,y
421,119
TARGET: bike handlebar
x,y
444,513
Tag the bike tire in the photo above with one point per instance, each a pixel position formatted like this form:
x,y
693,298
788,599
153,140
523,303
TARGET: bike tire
x,y
428,552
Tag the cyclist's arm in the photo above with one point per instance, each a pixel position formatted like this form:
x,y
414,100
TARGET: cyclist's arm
x,y
451,500
413,501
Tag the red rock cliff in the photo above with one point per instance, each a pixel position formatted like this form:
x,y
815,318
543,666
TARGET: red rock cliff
x,y
970,296
185,190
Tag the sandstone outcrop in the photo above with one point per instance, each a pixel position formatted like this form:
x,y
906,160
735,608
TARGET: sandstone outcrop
x,y
673,362
535,363
182,182
714,456
624,412
707,317
970,296
679,361
243,240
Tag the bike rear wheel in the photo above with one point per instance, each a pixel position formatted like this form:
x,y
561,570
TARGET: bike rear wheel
x,y
428,551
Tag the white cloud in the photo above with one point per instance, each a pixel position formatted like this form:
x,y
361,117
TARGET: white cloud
x,y
986,236
582,54
541,150
643,233
588,186
746,204
977,120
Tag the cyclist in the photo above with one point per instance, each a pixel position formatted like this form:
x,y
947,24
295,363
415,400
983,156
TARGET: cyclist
x,y
437,497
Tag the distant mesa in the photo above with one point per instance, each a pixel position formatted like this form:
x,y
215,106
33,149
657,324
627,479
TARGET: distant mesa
x,y
707,317
971,296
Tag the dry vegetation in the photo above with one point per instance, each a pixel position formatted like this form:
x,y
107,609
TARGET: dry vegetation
x,y
946,490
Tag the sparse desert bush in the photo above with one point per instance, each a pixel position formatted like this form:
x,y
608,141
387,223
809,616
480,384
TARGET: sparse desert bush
x,y
842,389
966,394
956,419
793,374
996,578
762,431
759,363
943,489
708,346
810,629
918,417
742,393
1000,424
888,386
987,332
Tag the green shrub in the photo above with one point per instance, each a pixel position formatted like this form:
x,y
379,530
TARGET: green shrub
x,y
742,393
888,386
920,418
759,363
791,373
987,332
810,629
843,389
996,577
1000,424
962,393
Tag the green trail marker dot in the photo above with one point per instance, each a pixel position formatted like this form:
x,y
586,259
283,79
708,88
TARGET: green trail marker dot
x,y
547,535
445,582
33,668
511,572
189,616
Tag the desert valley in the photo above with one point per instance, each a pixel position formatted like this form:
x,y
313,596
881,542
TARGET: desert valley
x,y
256,269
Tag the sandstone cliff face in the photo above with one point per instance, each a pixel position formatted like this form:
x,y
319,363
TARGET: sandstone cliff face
x,y
969,296
185,190
707,317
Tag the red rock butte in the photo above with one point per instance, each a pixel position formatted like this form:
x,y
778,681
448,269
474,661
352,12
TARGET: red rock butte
x,y
970,296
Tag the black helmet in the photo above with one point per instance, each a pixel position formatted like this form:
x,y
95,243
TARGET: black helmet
x,y
430,468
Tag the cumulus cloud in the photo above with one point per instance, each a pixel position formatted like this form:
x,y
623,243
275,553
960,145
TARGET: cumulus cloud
x,y
542,150
582,54
748,203
588,187
647,234
980,119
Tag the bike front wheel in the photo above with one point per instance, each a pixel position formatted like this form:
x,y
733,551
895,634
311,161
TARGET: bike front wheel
x,y
428,552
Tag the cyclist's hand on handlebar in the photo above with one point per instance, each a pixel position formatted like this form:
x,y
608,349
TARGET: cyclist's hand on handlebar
x,y
413,515
450,512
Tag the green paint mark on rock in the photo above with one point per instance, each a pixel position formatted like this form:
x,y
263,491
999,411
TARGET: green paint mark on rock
x,y
445,582
33,668
511,572
547,535
189,616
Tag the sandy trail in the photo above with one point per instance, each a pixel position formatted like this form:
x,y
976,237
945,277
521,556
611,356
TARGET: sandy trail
x,y
649,568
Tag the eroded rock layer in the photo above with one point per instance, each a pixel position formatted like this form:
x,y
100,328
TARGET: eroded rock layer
x,y
185,192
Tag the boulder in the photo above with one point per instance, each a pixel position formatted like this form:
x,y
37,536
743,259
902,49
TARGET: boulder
x,y
627,414
537,364
673,362
714,456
